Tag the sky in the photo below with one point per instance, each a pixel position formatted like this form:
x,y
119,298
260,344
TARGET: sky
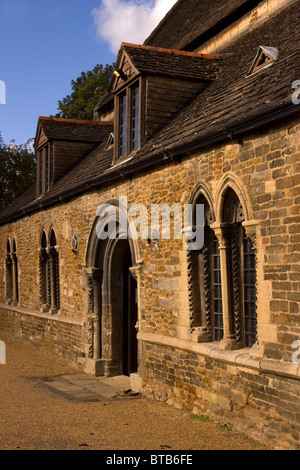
x,y
45,44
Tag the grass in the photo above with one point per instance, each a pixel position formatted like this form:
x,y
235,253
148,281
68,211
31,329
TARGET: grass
x,y
206,419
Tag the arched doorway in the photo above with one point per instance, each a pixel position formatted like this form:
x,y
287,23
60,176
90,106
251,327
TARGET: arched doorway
x,y
112,304
119,306
129,318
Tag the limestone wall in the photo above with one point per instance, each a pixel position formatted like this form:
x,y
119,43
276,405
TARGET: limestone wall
x,y
264,170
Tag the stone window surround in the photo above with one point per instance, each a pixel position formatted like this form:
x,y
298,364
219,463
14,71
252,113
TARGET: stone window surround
x,y
49,255
11,275
252,230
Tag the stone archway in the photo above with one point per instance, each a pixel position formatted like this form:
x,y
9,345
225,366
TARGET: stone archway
x,y
112,276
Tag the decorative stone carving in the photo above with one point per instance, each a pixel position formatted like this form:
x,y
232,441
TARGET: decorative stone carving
x,y
75,244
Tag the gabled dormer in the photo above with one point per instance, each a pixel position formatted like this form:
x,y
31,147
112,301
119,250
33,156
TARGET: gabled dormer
x,y
151,85
61,144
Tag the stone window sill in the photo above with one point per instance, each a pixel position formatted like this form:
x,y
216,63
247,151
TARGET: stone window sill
x,y
48,316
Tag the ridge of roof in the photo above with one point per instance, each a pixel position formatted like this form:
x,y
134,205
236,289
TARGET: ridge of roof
x,y
75,121
177,52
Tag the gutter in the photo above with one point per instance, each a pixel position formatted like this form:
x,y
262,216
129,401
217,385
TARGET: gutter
x,y
286,110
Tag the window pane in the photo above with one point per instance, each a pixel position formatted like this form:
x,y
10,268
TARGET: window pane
x,y
122,124
46,168
41,171
135,117
250,293
218,310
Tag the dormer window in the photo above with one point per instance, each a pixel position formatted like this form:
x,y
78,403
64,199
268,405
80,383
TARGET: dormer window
x,y
150,86
265,57
128,120
45,169
61,144
122,123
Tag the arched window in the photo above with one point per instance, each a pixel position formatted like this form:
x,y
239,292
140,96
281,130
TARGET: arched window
x,y
15,273
238,267
8,274
205,284
43,274
54,273
11,265
49,273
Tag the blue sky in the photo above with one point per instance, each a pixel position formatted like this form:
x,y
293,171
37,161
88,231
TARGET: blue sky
x,y
45,44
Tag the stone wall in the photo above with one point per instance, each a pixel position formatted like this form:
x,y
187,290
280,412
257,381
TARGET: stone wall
x,y
260,403
62,337
263,168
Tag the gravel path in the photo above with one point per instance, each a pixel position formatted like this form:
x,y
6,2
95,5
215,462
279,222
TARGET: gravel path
x,y
32,416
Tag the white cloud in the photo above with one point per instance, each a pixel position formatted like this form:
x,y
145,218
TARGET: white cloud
x,y
128,21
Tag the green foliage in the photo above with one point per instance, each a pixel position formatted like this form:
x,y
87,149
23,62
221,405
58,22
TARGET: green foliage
x,y
203,418
87,91
17,171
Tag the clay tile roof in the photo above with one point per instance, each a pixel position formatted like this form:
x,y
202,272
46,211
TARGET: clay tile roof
x,y
74,129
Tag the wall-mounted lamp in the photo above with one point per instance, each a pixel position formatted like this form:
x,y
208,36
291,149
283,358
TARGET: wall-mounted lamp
x,y
120,74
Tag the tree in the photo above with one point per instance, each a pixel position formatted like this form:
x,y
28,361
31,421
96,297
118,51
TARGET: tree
x,y
88,89
17,171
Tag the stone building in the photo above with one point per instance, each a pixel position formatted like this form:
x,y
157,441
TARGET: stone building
x,y
205,113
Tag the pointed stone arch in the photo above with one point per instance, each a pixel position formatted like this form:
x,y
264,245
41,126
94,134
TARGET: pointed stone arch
x,y
237,233
232,182
201,191
109,259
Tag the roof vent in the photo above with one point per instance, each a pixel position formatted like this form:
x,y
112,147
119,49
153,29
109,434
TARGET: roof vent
x,y
265,57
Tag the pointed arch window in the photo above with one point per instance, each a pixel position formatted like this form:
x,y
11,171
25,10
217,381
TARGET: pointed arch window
x,y
49,273
43,274
205,284
11,268
8,274
238,271
54,272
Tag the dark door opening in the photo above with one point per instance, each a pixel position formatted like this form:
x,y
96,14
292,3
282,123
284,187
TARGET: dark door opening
x,y
129,319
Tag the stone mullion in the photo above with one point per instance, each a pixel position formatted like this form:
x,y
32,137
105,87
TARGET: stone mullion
x,y
41,277
48,282
236,276
191,291
8,278
207,251
15,293
57,287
